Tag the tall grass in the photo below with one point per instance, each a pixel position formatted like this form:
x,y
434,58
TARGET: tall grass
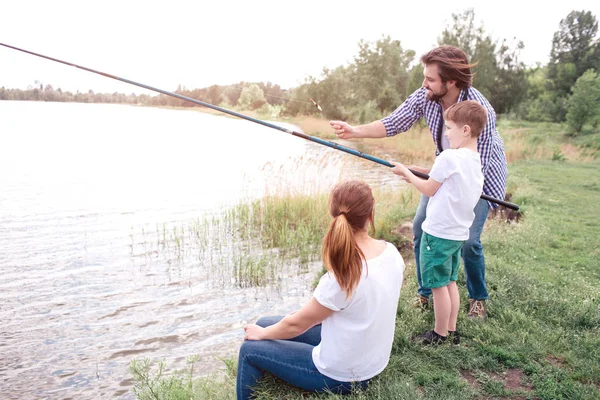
x,y
255,242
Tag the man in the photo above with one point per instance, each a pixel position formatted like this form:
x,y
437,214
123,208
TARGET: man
x,y
447,80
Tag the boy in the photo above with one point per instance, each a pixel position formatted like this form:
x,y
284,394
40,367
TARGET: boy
x,y
454,186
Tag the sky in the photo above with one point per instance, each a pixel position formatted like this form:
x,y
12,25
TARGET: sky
x,y
200,43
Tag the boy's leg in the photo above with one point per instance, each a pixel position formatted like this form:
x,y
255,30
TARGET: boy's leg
x,y
454,305
418,232
311,336
440,259
442,309
453,290
472,254
288,360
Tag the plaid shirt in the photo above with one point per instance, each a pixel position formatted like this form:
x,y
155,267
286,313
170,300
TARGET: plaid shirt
x,y
489,144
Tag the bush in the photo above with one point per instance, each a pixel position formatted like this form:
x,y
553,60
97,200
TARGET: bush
x,y
584,103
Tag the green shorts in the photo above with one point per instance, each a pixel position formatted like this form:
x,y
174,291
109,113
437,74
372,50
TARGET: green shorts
x,y
439,260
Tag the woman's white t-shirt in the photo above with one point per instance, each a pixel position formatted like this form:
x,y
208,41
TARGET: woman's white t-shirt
x,y
450,210
356,340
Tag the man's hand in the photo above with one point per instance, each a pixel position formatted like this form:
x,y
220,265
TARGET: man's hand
x,y
342,129
253,332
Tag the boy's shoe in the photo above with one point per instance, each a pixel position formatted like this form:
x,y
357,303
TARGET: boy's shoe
x,y
477,309
454,336
421,302
430,338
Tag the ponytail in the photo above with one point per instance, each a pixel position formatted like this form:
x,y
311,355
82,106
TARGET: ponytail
x,y
341,255
351,206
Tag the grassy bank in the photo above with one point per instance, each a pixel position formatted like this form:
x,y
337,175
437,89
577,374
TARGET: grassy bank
x,y
542,336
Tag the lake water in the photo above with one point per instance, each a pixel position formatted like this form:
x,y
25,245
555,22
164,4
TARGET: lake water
x,y
82,188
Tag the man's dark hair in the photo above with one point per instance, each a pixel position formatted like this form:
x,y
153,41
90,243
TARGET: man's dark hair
x,y
453,65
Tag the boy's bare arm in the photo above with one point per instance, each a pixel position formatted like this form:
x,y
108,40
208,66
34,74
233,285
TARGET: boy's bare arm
x,y
427,187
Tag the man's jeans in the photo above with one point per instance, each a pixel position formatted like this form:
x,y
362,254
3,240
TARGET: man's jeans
x,y
289,360
472,251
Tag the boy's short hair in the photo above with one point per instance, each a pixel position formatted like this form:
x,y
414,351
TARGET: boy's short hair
x,y
470,113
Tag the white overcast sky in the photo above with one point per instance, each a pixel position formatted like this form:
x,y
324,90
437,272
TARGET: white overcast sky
x,y
200,43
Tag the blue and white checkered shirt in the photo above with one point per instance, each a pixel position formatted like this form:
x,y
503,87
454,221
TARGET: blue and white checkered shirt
x,y
489,144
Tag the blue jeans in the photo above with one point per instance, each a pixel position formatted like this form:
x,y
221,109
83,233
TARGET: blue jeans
x,y
289,360
472,251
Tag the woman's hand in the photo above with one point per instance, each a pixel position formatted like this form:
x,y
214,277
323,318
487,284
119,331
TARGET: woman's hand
x,y
253,332
311,314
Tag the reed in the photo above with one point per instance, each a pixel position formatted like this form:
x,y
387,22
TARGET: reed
x,y
254,242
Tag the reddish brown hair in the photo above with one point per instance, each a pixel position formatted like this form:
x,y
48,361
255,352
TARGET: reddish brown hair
x,y
468,112
351,206
453,65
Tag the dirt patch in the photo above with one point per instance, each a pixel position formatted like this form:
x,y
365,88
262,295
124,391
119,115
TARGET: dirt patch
x,y
471,379
405,230
404,243
512,381
556,361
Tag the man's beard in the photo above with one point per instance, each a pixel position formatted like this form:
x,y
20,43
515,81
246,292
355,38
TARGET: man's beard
x,y
437,96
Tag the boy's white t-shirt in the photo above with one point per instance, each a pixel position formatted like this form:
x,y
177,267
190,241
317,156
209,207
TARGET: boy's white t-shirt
x,y
450,210
356,340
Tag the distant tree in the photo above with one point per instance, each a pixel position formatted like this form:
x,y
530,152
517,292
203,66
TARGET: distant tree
x,y
584,103
539,105
294,104
273,93
415,78
214,94
511,81
575,49
335,93
252,97
499,75
381,72
231,94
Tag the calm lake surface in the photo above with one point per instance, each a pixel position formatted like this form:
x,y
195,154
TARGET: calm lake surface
x,y
85,189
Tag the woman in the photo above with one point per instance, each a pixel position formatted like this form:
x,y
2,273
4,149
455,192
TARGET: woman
x,y
343,336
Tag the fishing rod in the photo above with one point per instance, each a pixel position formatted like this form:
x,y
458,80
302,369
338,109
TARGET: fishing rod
x,y
255,120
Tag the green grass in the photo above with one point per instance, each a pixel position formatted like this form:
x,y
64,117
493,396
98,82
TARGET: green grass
x,y
589,142
546,141
543,326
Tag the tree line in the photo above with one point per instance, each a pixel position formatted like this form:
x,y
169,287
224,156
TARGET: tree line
x,y
383,74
